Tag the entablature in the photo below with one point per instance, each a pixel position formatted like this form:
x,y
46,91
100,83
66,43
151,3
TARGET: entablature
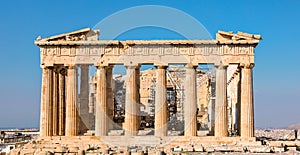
x,y
227,48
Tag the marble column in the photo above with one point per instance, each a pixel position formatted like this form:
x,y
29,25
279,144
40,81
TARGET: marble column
x,y
84,98
190,102
71,103
101,104
161,112
92,100
247,105
46,102
238,102
110,98
92,95
62,104
55,102
221,122
131,125
138,100
211,115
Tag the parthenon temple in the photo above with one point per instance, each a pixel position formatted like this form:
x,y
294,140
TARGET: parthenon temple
x,y
193,88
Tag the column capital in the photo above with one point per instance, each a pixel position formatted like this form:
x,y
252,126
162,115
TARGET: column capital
x,y
56,69
43,66
71,66
63,71
84,66
247,66
110,67
221,66
46,67
101,67
131,66
160,64
161,67
189,65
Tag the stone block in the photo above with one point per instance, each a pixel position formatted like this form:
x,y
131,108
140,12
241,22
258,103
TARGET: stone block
x,y
236,148
292,148
43,152
198,148
210,149
104,151
47,151
91,153
27,151
133,150
258,149
275,144
73,149
188,149
137,153
158,152
279,149
60,150
151,152
15,152
81,152
177,149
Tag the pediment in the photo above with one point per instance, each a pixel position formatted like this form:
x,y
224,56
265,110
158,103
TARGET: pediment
x,y
78,35
223,36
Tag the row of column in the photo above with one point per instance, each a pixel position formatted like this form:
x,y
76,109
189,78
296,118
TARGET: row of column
x,y
246,109
132,119
104,105
190,102
59,101
59,115
53,103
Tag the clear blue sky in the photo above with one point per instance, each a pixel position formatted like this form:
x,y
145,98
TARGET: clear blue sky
x,y
276,74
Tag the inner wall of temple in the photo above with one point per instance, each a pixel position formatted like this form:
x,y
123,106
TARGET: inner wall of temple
x,y
175,76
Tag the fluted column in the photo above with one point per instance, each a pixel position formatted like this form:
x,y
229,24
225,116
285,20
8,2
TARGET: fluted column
x,y
92,95
110,97
161,114
138,100
71,105
101,104
247,106
55,102
92,100
46,102
190,104
84,98
221,122
62,105
131,104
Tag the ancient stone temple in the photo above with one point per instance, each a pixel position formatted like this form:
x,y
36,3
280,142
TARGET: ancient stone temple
x,y
75,104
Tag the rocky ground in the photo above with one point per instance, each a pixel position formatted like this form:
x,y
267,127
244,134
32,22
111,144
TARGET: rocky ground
x,y
277,134
267,141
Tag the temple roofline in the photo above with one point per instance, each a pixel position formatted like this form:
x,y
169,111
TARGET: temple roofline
x,y
88,36
146,42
